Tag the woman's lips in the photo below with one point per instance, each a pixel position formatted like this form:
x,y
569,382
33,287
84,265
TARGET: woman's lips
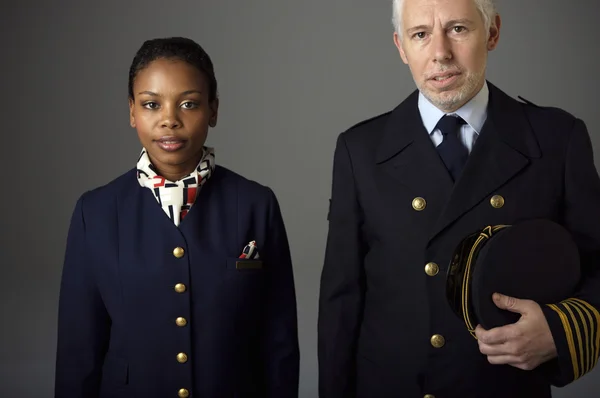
x,y
170,144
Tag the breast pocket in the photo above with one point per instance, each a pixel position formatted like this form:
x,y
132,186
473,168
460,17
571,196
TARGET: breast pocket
x,y
246,283
245,266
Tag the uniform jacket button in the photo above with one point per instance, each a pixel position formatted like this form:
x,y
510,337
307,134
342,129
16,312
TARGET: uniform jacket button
x,y
183,393
419,204
432,269
182,357
178,252
438,341
497,201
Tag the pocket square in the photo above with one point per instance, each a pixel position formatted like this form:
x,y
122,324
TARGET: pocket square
x,y
250,251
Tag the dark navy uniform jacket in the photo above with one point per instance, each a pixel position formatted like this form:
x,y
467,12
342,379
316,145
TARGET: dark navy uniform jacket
x,y
148,309
386,329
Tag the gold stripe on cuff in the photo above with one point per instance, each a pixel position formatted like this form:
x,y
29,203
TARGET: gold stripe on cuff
x,y
580,341
597,316
569,334
588,335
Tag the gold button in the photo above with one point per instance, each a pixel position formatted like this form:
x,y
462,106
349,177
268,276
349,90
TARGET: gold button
x,y
432,269
418,203
182,358
438,341
429,396
183,393
497,201
178,252
181,321
180,288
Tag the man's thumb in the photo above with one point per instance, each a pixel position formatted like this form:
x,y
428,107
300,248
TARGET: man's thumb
x,y
508,303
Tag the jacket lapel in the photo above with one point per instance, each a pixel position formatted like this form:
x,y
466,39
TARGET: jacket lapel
x,y
407,153
505,146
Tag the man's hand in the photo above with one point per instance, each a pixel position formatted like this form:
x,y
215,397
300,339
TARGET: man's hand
x,y
525,344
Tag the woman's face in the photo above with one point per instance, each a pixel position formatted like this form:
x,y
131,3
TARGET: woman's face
x,y
172,113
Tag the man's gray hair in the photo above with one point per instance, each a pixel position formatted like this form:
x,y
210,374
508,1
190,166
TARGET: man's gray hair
x,y
486,8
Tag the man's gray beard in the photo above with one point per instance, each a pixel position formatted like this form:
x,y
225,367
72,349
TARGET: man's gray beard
x,y
460,98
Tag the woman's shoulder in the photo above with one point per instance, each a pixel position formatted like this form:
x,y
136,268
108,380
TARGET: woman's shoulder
x,y
250,188
105,194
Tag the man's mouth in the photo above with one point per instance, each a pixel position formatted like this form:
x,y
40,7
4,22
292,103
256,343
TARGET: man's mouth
x,y
444,76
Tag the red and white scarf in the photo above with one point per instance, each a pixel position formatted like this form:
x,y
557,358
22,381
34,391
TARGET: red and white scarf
x,y
176,197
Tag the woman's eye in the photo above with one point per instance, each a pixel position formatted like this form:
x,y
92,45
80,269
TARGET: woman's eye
x,y
150,105
189,105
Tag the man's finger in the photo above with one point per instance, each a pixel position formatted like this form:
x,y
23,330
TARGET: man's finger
x,y
512,360
486,349
510,303
499,335
504,360
497,349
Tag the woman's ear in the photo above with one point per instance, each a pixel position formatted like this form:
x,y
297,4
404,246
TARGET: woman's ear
x,y
214,107
131,115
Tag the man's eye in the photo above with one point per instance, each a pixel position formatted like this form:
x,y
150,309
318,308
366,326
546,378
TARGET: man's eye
x,y
459,29
420,35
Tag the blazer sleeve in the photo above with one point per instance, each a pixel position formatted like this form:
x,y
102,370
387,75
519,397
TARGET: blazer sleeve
x,y
342,283
575,322
281,329
83,322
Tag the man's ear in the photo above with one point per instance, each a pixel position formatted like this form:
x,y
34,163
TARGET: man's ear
x,y
398,43
494,33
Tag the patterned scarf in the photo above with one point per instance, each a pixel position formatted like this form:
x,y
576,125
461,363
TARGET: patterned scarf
x,y
176,198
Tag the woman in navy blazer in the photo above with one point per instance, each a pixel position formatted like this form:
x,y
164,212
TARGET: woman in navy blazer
x,y
177,279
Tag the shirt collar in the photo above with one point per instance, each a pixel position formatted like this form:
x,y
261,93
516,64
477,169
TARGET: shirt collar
x,y
473,112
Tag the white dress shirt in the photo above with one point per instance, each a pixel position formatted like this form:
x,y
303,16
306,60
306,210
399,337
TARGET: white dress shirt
x,y
473,112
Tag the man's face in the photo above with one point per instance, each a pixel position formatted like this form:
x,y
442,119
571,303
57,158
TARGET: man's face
x,y
445,45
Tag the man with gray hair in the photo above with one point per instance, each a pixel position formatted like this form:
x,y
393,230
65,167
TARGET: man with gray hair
x,y
410,184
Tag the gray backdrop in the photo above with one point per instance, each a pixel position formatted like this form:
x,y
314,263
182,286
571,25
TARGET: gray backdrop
x,y
292,76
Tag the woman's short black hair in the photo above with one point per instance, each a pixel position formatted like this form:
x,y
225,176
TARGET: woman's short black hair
x,y
179,48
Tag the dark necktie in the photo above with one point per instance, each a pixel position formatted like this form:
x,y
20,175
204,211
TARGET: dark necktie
x,y
451,150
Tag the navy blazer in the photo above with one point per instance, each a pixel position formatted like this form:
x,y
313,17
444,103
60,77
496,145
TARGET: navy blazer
x,y
383,305
140,317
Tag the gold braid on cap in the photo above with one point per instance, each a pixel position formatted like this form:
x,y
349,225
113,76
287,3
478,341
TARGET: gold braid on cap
x,y
484,235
